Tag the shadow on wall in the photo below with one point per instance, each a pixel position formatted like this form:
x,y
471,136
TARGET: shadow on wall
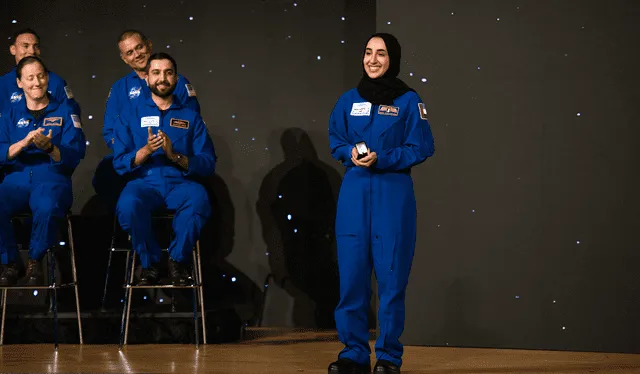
x,y
297,206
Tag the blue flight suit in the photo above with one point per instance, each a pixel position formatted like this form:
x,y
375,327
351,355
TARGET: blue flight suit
x,y
129,90
376,216
159,183
11,94
34,181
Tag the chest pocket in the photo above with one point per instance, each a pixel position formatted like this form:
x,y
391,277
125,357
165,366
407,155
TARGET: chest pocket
x,y
55,125
179,131
357,127
390,130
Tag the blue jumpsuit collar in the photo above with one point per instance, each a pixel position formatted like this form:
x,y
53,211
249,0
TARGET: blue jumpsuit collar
x,y
175,104
53,105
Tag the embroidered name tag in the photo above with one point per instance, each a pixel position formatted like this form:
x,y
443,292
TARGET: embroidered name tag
x,y
361,109
150,121
52,121
423,111
388,110
179,123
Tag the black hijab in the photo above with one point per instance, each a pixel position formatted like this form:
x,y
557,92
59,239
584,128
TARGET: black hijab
x,y
384,89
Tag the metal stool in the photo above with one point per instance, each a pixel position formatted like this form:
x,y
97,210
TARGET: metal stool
x,y
52,286
198,298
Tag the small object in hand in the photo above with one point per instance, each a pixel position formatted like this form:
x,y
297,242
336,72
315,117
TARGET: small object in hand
x,y
362,150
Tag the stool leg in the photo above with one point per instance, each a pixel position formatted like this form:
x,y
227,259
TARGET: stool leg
x,y
4,314
106,278
75,277
195,302
198,281
124,324
54,301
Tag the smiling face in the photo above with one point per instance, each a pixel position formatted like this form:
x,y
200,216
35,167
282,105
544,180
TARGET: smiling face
x,y
376,58
162,78
25,45
135,52
33,80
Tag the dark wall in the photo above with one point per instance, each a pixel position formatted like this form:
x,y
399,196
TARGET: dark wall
x,y
268,121
529,209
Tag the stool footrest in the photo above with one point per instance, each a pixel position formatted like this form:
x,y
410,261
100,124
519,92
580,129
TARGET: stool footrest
x,y
162,286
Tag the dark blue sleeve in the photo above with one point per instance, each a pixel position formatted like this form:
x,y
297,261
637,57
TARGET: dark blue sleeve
x,y
111,113
186,94
418,141
203,160
124,148
4,99
340,147
73,144
5,139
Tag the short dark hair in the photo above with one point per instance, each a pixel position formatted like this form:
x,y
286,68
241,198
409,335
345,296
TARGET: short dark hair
x,y
29,60
131,32
16,34
161,56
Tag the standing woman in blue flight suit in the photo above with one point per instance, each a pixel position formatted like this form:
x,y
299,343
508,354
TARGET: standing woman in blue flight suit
x,y
41,144
379,131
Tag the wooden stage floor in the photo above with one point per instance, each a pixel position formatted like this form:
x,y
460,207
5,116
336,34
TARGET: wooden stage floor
x,y
302,352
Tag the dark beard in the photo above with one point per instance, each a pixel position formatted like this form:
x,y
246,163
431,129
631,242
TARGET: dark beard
x,y
163,95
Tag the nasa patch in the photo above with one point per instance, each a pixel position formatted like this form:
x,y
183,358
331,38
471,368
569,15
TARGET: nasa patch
x,y
134,93
23,122
15,97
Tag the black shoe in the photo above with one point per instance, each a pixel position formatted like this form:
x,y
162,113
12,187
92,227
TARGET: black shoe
x,y
9,275
386,367
148,276
178,273
347,366
34,275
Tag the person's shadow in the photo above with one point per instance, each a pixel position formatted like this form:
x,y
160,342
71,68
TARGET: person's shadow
x,y
297,207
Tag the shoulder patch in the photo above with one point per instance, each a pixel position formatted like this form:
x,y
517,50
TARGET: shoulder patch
x,y
179,123
76,121
190,90
68,91
423,111
52,121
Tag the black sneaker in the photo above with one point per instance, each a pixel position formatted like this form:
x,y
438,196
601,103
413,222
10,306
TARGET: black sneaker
x,y
386,367
178,273
148,276
9,275
347,366
34,275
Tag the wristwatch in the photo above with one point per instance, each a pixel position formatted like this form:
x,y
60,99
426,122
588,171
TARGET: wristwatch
x,y
50,149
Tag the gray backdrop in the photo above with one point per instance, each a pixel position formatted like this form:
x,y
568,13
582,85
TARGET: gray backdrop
x,y
527,211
